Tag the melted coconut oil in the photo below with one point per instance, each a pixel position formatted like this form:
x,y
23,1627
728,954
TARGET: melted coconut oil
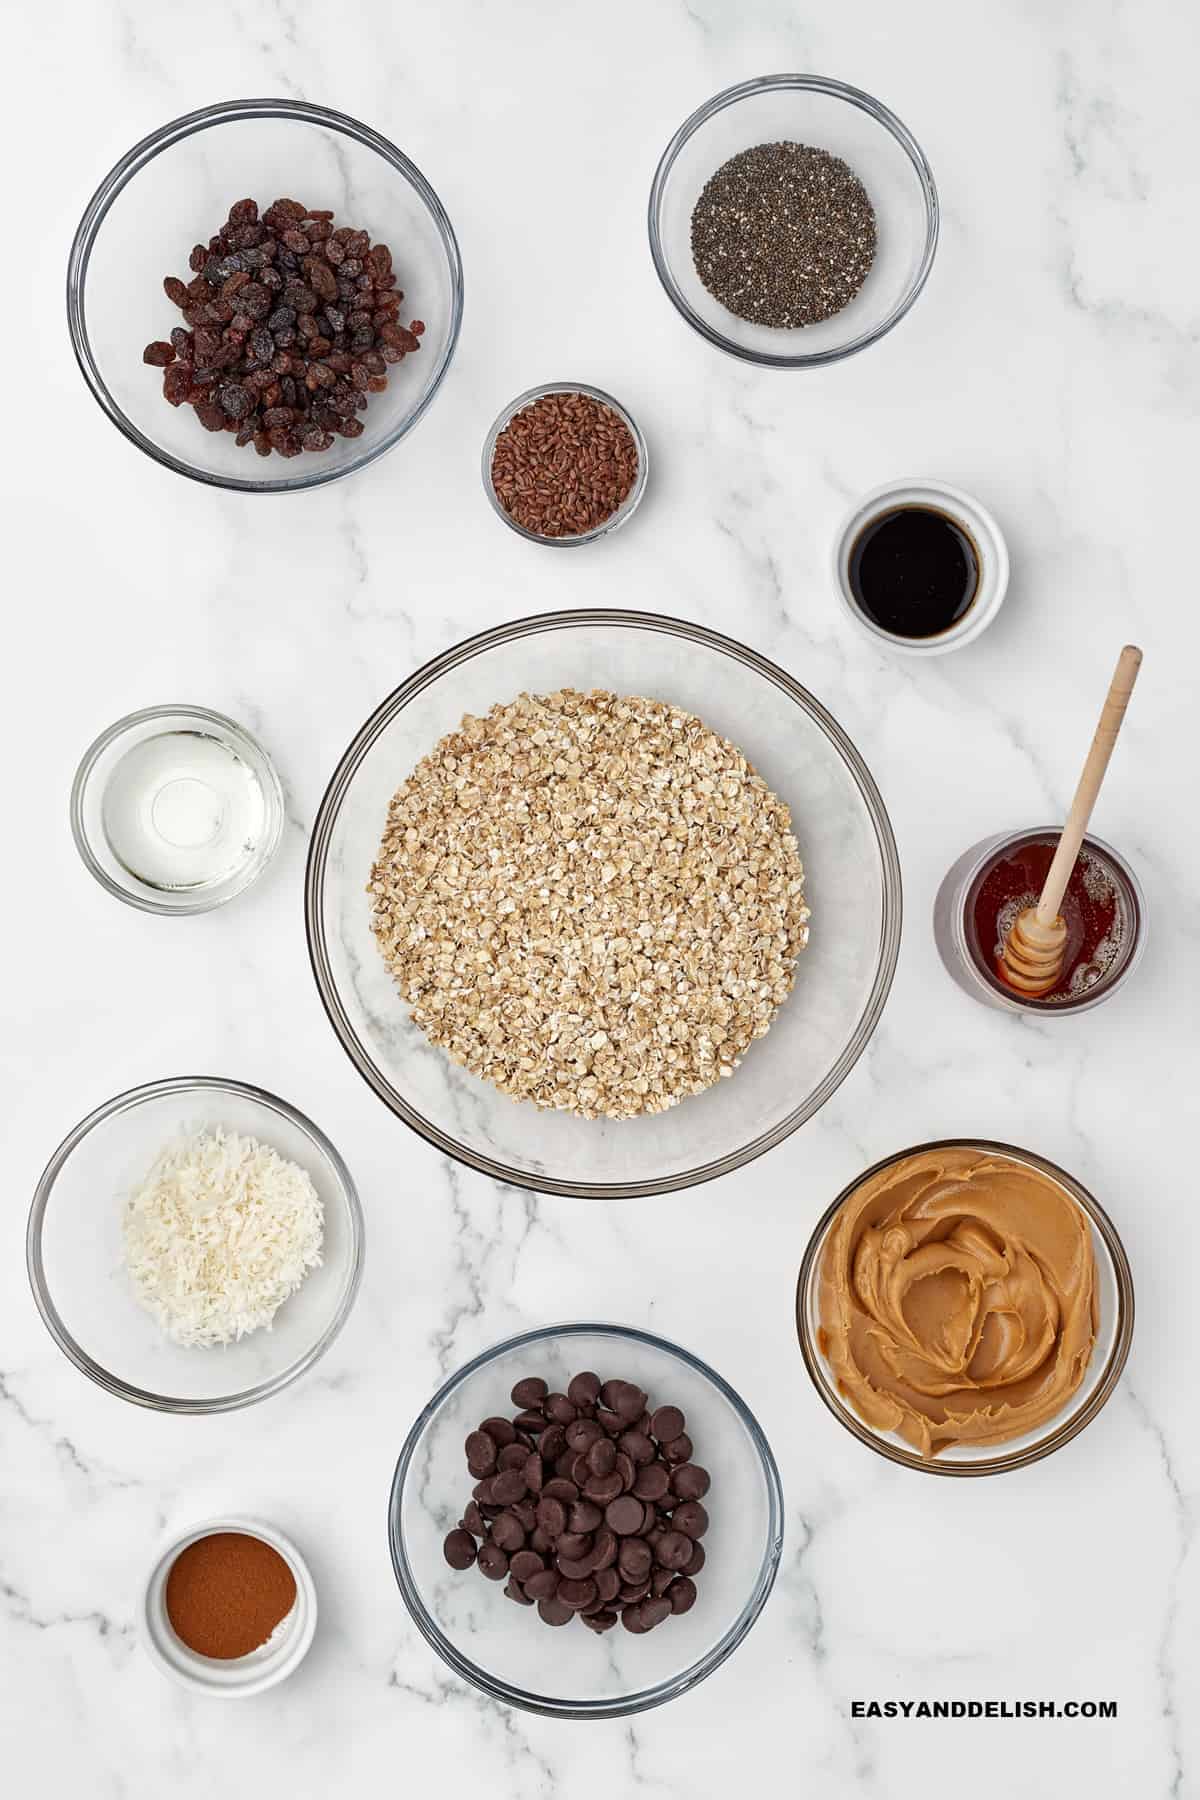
x,y
183,811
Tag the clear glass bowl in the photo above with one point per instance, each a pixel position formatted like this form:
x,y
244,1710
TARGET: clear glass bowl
x,y
632,499
173,189
1113,1336
828,115
505,1649
852,884
91,783
76,1264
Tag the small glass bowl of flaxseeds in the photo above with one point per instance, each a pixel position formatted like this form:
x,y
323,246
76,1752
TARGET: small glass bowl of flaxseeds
x,y
564,463
793,221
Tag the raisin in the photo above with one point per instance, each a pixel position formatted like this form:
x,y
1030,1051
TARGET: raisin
x,y
322,278
177,381
235,401
255,299
294,323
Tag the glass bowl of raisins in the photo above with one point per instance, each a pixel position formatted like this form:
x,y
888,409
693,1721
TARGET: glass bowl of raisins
x,y
264,295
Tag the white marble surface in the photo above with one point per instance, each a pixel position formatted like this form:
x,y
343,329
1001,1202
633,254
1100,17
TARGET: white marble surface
x,y
1050,366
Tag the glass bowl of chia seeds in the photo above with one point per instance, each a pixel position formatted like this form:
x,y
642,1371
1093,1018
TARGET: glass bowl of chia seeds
x,y
793,220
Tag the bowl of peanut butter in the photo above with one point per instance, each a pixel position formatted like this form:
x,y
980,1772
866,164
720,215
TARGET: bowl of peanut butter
x,y
965,1307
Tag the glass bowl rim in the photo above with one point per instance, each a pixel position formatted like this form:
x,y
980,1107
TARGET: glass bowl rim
x,y
627,507
118,178
1005,1461
838,90
603,618
83,775
646,1698
52,1319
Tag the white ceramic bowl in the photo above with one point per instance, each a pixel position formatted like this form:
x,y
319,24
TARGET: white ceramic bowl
x,y
979,526
241,1676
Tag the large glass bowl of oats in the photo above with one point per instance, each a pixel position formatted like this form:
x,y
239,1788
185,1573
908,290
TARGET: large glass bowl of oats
x,y
603,903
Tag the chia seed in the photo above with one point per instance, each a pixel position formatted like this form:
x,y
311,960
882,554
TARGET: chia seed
x,y
783,235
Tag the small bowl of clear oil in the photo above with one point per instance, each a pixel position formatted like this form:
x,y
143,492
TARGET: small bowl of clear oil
x,y
176,809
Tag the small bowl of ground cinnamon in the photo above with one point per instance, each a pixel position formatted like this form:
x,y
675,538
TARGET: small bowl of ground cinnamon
x,y
230,1608
564,463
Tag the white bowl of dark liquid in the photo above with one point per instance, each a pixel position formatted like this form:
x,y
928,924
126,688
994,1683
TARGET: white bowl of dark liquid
x,y
176,809
921,566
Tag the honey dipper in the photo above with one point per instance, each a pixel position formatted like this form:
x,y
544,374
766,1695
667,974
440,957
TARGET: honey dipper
x,y
1031,961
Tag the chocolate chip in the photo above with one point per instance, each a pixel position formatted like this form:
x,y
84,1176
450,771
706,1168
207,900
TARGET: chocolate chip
x,y
690,1482
501,1431
553,1442
551,1515
652,1482
624,1515
637,1446
493,1561
587,1502
577,1594
510,1486
553,1612
601,1457
675,1550
481,1453
559,1489
682,1595
583,1389
603,1488
542,1585
690,1518
507,1532
531,1391
574,1544
459,1548
666,1423
585,1515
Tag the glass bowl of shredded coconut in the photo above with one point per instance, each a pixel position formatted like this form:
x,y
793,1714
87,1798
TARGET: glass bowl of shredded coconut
x,y
195,1245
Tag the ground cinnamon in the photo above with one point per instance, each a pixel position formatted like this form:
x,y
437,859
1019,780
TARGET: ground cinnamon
x,y
227,1592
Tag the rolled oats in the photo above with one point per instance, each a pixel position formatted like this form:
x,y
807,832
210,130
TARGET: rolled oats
x,y
591,901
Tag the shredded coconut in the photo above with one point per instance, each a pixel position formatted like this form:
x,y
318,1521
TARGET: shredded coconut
x,y
219,1234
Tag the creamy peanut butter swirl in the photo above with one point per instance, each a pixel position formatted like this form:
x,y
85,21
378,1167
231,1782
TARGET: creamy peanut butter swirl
x,y
957,1298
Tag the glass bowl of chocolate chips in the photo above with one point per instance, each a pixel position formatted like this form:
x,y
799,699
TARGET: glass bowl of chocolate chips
x,y
264,295
585,1521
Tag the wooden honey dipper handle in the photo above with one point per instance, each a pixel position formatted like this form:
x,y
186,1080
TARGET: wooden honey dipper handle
x,y
1111,717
